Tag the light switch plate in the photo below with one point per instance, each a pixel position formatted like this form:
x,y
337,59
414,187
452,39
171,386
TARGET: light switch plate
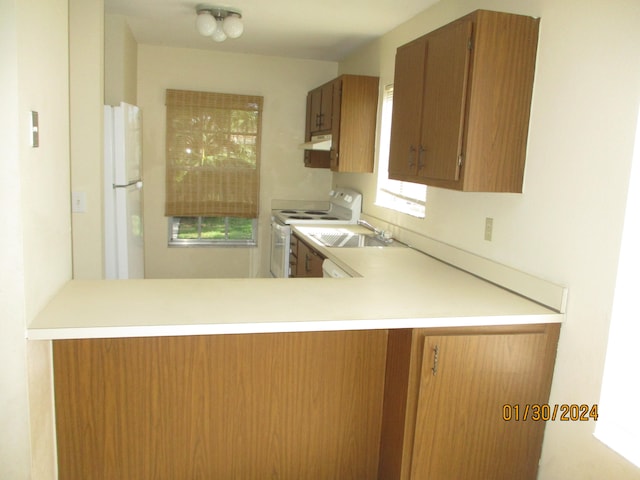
x,y
34,130
78,202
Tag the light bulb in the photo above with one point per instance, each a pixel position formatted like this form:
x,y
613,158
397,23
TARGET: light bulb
x,y
232,26
218,35
205,23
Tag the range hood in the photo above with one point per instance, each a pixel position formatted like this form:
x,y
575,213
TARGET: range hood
x,y
318,142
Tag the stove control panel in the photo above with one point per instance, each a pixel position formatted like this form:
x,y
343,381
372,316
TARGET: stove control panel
x,y
346,197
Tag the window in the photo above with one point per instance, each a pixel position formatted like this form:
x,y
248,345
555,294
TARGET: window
x,y
405,197
187,231
212,167
618,422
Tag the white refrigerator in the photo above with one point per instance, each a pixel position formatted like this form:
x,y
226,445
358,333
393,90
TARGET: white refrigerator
x,y
124,246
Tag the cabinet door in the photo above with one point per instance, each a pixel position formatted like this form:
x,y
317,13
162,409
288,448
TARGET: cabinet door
x,y
465,382
443,107
317,159
407,104
309,261
309,123
293,256
355,107
326,110
314,105
319,108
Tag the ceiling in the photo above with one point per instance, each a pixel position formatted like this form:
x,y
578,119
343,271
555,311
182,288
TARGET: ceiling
x,y
312,29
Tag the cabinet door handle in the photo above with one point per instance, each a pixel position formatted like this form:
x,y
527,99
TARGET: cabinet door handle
x,y
458,167
412,156
421,157
436,351
307,268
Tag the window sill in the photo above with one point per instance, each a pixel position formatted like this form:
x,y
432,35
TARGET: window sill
x,y
199,244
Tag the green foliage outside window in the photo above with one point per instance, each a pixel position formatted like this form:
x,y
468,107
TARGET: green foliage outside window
x,y
232,230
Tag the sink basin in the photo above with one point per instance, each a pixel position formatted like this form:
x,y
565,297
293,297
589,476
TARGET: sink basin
x,y
352,240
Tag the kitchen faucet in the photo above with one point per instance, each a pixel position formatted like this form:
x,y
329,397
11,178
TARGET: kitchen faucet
x,y
366,224
380,234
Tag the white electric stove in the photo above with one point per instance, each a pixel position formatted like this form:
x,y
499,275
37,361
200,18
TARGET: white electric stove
x,y
342,207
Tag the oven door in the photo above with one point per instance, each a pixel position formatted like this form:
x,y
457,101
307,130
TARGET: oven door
x,y
280,246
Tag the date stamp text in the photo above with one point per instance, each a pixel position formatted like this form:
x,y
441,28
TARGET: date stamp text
x,y
566,412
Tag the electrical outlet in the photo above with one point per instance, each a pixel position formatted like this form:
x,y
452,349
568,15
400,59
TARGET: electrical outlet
x,y
488,229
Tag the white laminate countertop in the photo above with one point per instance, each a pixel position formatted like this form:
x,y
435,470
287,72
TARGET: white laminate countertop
x,y
398,288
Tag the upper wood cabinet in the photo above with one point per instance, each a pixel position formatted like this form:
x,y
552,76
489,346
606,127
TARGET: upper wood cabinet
x,y
462,97
319,110
354,107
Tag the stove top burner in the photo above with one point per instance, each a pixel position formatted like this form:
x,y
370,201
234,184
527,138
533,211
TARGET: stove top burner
x,y
342,207
316,212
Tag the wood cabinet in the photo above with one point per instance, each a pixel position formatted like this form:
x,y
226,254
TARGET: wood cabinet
x,y
293,255
390,404
304,260
319,110
317,159
462,97
445,393
255,406
354,107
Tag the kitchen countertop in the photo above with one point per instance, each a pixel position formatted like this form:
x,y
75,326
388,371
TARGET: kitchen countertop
x,y
397,288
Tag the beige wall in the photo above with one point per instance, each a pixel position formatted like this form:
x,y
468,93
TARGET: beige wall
x,y
86,97
14,412
284,84
120,62
36,256
103,57
566,225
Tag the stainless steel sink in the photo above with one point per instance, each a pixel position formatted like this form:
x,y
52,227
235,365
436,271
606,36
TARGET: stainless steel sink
x,y
352,240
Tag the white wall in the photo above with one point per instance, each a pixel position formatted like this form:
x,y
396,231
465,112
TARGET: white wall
x,y
284,84
36,250
566,226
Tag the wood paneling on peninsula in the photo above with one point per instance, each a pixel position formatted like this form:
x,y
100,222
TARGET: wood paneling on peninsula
x,y
289,406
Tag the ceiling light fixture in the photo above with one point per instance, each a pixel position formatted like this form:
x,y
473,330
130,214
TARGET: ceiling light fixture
x,y
219,22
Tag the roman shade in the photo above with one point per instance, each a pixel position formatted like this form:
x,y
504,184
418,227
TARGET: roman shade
x,y
212,154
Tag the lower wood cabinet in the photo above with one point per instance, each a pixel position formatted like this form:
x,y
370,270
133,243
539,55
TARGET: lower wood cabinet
x,y
388,405
304,260
260,406
445,394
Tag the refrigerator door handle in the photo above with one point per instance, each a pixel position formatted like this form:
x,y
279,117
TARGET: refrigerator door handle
x,y
137,183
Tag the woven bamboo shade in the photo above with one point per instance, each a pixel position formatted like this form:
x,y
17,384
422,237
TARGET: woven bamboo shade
x,y
212,154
